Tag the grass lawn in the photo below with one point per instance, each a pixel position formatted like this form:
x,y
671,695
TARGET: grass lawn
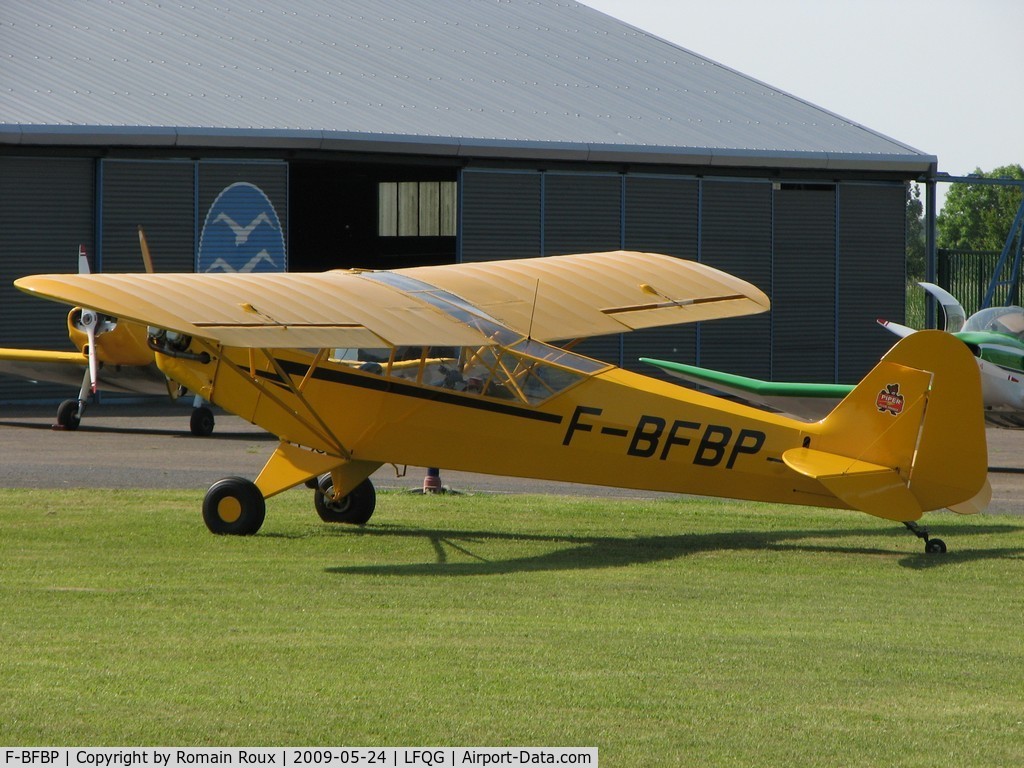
x,y
685,632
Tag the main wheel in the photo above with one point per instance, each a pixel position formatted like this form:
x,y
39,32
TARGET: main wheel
x,y
354,509
234,506
67,415
201,422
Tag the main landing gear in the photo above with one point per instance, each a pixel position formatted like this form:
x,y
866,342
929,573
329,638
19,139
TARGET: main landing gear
x,y
931,546
235,506
201,422
69,417
354,509
70,413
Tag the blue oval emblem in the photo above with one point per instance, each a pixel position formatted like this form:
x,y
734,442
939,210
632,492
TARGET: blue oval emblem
x,y
242,233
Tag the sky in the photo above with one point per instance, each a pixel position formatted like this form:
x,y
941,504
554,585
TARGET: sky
x,y
945,77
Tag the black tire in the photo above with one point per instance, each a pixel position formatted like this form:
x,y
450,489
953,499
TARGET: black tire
x,y
354,509
67,415
935,547
201,422
234,506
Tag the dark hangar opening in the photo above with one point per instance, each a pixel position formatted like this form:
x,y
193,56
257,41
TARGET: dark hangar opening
x,y
345,215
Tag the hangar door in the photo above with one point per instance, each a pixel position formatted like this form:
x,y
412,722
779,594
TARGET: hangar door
x,y
46,212
829,255
838,263
48,206
803,291
522,214
872,273
173,201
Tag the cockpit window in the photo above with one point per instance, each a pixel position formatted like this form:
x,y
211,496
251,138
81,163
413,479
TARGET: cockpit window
x,y
516,368
1007,320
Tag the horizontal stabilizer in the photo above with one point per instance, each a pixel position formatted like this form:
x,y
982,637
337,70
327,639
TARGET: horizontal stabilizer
x,y
978,504
871,488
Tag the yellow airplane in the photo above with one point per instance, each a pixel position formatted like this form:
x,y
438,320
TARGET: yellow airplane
x,y
453,366
115,356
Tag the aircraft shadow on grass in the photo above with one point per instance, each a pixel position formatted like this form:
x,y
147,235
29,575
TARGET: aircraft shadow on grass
x,y
584,552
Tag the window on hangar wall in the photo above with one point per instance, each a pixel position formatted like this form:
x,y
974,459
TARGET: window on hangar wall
x,y
416,208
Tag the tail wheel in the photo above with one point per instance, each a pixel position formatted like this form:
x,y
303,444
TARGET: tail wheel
x,y
355,509
234,506
935,547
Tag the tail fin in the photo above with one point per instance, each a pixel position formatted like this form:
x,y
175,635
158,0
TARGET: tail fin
x,y
909,438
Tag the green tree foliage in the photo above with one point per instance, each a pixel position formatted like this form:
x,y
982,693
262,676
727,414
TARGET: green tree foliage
x,y
978,217
915,234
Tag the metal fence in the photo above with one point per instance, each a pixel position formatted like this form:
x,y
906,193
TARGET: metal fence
x,y
967,275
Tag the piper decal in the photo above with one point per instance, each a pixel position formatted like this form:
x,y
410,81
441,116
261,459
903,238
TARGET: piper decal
x,y
890,399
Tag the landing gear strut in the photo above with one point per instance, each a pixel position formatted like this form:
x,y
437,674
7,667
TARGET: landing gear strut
x,y
931,546
70,412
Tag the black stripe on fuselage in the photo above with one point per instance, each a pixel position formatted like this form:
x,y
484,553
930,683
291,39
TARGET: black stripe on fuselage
x,y
384,384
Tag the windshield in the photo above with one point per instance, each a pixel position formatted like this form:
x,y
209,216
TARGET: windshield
x,y
515,368
1006,320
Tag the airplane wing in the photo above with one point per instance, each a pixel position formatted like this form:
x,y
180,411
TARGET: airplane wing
x,y
67,368
592,294
806,401
44,356
43,365
558,297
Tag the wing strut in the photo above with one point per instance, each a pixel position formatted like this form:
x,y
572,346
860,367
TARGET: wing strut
x,y
297,391
313,421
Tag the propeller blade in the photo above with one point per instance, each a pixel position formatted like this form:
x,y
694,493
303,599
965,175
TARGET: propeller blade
x,y
900,330
147,260
83,261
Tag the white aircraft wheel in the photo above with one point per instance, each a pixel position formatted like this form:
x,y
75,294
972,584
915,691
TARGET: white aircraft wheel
x,y
354,509
201,422
234,506
67,415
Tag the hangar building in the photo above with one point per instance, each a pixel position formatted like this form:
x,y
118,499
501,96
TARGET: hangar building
x,y
386,133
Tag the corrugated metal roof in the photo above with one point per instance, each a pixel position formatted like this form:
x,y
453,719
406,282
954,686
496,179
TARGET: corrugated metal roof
x,y
519,78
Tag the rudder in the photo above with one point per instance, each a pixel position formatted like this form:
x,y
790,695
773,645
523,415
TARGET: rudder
x,y
909,438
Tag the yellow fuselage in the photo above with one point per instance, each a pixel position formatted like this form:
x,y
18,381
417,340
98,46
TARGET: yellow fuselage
x,y
612,428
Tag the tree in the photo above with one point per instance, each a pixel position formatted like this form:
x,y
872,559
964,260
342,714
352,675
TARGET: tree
x,y
915,234
978,217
